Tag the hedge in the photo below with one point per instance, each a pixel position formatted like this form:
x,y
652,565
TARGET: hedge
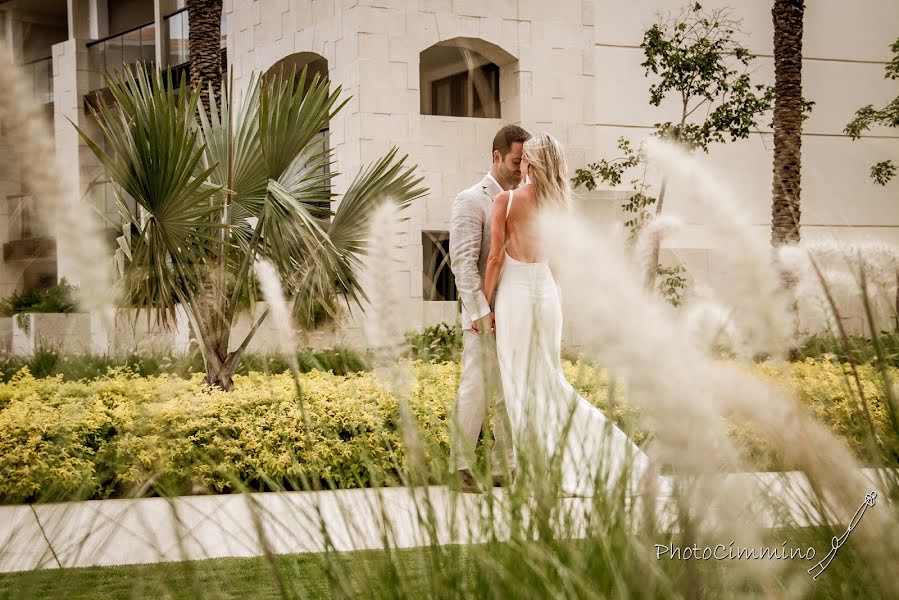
x,y
125,435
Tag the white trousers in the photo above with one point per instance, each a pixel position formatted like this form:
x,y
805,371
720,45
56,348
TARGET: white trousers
x,y
480,382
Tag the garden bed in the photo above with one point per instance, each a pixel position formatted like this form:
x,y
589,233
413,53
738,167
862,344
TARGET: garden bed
x,y
126,435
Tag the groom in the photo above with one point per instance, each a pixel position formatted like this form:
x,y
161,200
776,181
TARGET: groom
x,y
469,247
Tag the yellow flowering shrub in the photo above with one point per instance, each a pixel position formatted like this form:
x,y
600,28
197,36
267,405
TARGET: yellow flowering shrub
x,y
124,434
828,391
128,435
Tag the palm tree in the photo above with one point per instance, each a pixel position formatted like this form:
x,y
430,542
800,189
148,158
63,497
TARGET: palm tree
x,y
217,192
788,110
204,18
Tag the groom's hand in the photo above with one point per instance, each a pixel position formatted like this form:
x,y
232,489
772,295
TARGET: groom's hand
x,y
482,324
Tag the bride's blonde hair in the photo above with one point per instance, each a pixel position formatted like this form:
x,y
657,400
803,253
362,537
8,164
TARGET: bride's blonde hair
x,y
544,153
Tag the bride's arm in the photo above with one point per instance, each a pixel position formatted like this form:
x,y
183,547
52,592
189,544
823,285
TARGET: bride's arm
x,y
497,245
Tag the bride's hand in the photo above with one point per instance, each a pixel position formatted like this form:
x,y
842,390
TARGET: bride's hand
x,y
493,321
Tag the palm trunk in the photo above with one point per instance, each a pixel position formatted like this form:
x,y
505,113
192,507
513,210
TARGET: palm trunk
x,y
214,319
205,21
220,371
785,205
220,363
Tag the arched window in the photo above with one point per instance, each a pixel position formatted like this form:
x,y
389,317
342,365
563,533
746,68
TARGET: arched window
x,y
461,78
315,64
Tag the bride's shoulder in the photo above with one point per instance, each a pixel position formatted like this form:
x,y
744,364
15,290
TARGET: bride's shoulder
x,y
526,190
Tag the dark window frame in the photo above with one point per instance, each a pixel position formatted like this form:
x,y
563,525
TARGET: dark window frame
x,y
438,281
464,102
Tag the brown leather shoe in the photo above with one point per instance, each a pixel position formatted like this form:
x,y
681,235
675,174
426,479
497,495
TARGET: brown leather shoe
x,y
465,482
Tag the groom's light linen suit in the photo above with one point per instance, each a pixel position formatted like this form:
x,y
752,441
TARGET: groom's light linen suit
x,y
469,247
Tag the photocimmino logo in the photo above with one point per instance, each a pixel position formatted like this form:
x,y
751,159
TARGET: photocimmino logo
x,y
837,542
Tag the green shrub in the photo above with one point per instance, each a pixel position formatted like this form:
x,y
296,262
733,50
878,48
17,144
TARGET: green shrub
x,y
437,343
827,390
48,362
123,435
861,349
55,299
127,435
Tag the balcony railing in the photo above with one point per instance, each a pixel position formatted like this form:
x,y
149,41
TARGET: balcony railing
x,y
132,47
177,36
137,47
41,73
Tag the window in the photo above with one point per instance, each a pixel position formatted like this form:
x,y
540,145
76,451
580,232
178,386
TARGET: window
x,y
176,42
41,73
23,219
455,96
458,82
134,47
437,277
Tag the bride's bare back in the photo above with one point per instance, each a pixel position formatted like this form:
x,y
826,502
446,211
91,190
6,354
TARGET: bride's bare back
x,y
512,233
521,240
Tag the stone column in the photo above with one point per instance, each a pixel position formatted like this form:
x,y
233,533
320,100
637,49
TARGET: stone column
x,y
161,8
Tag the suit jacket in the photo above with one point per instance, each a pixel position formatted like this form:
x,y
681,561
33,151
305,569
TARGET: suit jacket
x,y
470,245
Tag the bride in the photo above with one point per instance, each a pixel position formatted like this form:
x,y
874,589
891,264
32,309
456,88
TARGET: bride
x,y
545,412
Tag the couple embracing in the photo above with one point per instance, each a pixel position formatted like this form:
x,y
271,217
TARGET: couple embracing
x,y
512,329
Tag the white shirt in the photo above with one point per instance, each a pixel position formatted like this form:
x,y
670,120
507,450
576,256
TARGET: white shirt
x,y
493,179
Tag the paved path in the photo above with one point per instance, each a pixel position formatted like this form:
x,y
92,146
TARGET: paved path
x,y
116,532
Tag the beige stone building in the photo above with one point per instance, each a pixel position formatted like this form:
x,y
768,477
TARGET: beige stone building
x,y
438,78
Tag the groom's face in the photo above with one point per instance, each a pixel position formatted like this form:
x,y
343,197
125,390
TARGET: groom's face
x,y
509,166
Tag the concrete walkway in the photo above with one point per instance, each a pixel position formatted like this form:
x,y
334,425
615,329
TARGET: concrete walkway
x,y
117,532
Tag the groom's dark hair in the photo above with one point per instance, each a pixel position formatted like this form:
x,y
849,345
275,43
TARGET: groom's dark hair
x,y
508,135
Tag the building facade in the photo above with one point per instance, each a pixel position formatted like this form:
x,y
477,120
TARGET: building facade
x,y
437,78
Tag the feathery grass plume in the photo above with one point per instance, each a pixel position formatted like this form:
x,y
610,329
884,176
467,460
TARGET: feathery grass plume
x,y
760,305
273,293
684,394
843,263
385,332
653,233
710,323
77,229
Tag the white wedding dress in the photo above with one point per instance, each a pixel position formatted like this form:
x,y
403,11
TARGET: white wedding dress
x,y
540,401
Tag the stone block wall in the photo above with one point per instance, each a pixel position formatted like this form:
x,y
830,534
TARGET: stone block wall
x,y
373,50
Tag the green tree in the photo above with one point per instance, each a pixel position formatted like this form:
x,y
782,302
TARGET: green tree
x,y
695,58
217,192
888,116
881,172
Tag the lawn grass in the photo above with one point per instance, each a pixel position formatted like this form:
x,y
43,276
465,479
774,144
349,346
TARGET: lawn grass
x,y
214,578
470,571
298,576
